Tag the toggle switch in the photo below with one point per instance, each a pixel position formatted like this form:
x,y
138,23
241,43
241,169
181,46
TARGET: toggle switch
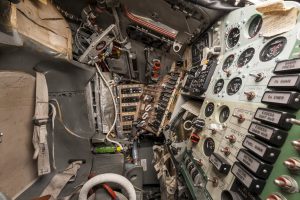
x,y
296,144
226,151
240,117
227,72
231,138
199,161
287,183
214,181
213,130
250,95
292,164
258,77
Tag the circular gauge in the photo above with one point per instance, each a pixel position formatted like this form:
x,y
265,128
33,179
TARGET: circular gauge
x,y
233,37
255,26
224,114
245,57
209,109
234,86
208,146
228,62
272,49
218,86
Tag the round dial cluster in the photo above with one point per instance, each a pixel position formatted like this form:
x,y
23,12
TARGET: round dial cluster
x,y
233,37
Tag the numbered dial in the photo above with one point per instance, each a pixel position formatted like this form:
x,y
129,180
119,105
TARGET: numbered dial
x,y
208,146
234,86
228,62
209,109
255,26
233,37
245,57
218,86
224,114
272,49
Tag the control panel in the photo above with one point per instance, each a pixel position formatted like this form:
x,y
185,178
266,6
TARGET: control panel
x,y
129,96
248,144
156,101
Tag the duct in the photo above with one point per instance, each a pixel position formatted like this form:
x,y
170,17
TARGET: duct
x,y
215,4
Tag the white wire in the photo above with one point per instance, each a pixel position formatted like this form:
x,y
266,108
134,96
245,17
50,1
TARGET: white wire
x,y
115,107
60,119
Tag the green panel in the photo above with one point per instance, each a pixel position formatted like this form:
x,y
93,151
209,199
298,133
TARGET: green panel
x,y
279,169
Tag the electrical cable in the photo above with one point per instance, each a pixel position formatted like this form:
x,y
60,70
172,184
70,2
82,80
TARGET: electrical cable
x,y
60,119
115,107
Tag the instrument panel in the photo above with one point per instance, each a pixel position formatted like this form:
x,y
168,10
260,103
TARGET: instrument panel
x,y
248,148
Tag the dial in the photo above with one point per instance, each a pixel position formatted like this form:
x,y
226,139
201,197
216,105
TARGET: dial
x,y
245,57
209,109
234,86
255,26
228,62
224,114
218,86
272,49
208,146
233,37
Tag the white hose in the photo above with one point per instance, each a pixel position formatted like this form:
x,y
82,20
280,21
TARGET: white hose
x,y
105,178
115,107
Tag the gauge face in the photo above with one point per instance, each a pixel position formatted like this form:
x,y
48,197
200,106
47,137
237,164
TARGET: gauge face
x,y
224,114
228,62
234,86
219,86
255,26
233,37
272,49
245,57
208,146
209,109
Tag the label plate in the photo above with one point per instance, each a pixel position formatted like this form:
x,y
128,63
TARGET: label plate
x,y
279,98
242,175
248,161
261,131
254,146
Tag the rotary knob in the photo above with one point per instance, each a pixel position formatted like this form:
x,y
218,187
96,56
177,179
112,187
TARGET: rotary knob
x,y
287,183
292,164
231,138
276,196
226,151
296,144
250,95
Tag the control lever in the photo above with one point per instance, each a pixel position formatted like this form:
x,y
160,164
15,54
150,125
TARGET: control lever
x,y
293,164
287,183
